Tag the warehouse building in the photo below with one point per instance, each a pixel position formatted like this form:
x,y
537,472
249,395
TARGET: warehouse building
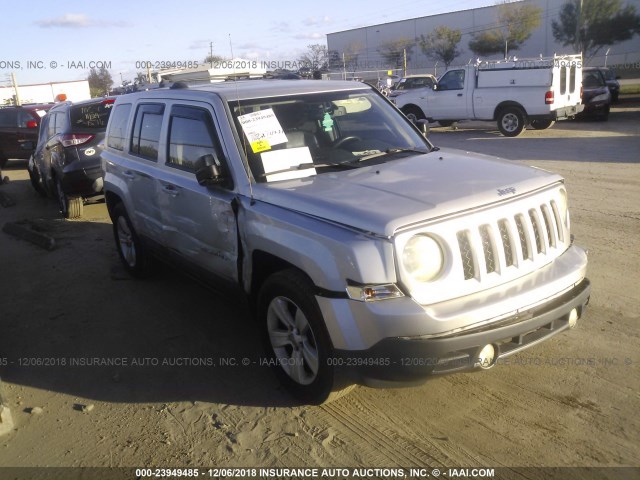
x,y
358,51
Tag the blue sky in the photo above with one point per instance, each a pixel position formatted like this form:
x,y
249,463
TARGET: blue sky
x,y
67,32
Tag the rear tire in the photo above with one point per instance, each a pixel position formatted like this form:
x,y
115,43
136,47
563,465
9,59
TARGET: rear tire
x,y
542,124
135,258
296,339
70,207
511,122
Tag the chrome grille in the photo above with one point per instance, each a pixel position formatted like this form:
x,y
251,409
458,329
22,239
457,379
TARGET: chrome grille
x,y
536,229
466,255
506,242
523,237
510,241
487,248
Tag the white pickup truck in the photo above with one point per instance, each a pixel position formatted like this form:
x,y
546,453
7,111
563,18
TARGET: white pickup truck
x,y
512,92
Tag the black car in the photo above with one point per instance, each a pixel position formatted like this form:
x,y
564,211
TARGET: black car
x,y
66,163
19,130
612,82
595,94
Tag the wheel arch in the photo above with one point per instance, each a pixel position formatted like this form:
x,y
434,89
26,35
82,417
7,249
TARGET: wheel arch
x,y
509,104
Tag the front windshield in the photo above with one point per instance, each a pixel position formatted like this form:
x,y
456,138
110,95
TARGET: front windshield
x,y
311,134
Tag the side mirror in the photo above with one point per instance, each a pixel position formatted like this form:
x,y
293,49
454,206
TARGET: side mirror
x,y
209,172
210,175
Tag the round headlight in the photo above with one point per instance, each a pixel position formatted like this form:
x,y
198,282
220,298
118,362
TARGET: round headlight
x,y
422,258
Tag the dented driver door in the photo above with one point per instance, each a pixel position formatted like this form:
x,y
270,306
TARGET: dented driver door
x,y
199,224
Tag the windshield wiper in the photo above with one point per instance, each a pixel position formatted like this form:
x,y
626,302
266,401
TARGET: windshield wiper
x,y
306,166
391,151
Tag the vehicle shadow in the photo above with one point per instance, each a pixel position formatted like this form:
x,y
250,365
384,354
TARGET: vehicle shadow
x,y
73,321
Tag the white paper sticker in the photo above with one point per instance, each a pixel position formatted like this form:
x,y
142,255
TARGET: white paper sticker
x,y
282,159
262,126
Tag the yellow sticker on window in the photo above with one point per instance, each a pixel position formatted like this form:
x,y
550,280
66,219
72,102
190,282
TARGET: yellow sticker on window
x,y
260,146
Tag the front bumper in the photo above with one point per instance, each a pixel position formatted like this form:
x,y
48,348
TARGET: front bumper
x,y
401,361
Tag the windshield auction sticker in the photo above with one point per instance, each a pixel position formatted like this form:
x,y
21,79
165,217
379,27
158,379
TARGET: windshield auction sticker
x,y
262,129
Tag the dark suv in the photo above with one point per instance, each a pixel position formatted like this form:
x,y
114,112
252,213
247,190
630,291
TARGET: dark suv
x,y
66,163
19,130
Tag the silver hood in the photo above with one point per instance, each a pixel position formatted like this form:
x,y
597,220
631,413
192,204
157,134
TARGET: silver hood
x,y
386,197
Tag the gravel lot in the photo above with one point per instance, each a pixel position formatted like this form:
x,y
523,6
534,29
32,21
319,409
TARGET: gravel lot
x,y
572,401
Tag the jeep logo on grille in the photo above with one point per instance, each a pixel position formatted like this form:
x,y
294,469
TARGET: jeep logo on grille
x,y
505,191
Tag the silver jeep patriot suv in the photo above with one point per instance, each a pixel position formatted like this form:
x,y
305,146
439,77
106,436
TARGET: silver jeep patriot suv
x,y
368,255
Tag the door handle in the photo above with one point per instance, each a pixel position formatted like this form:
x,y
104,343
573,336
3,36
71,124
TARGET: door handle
x,y
128,174
459,94
170,190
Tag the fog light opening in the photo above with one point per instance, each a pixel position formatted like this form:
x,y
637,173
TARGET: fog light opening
x,y
573,318
486,357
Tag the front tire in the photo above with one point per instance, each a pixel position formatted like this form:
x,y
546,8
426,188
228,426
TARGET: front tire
x,y
136,260
511,122
296,338
34,177
413,113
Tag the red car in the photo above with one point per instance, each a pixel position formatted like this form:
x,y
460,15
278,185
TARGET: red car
x,y
19,130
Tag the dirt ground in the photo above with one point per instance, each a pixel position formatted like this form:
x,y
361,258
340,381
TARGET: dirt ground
x,y
178,393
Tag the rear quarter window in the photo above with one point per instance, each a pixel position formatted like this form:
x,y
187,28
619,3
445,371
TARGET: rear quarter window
x,y
117,128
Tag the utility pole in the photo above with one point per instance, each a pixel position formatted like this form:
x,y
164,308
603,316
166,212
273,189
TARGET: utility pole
x,y
404,54
211,54
578,22
15,87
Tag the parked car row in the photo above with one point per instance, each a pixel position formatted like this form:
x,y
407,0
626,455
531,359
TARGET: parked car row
x,y
66,164
19,130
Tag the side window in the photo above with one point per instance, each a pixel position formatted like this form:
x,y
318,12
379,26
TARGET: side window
x,y
8,118
51,126
563,80
117,134
572,79
23,118
193,142
453,80
146,130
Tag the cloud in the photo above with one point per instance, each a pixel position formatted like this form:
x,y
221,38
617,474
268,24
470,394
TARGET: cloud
x,y
316,21
310,36
281,26
77,20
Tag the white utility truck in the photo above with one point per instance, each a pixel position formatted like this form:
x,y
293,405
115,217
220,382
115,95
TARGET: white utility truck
x,y
514,92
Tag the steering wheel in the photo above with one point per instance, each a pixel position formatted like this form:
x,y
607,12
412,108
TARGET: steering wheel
x,y
342,141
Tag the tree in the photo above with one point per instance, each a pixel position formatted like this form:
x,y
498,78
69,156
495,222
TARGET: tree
x,y
602,23
316,57
516,23
211,59
100,82
394,51
441,45
347,59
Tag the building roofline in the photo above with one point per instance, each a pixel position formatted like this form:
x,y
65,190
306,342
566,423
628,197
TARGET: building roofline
x,y
416,18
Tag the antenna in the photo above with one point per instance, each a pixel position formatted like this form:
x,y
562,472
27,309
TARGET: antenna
x,y
243,135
